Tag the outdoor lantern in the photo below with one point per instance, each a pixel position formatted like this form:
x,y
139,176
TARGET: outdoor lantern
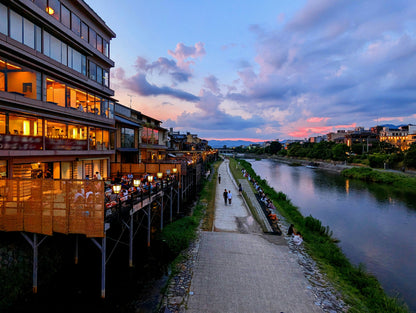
x,y
174,170
116,188
136,182
150,178
159,175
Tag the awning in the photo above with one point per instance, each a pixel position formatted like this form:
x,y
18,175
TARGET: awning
x,y
126,121
128,149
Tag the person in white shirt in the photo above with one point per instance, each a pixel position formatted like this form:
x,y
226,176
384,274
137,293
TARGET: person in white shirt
x,y
229,196
297,238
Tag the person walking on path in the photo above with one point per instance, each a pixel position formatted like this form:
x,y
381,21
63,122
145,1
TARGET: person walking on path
x,y
219,178
240,189
230,197
225,195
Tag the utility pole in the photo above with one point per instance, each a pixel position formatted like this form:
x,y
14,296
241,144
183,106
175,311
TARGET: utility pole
x,y
131,96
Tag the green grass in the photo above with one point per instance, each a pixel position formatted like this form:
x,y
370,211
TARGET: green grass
x,y
397,180
360,290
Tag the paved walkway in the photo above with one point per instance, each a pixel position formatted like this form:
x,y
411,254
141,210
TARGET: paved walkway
x,y
245,272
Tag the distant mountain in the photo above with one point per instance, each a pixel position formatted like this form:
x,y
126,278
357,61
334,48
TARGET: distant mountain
x,y
229,143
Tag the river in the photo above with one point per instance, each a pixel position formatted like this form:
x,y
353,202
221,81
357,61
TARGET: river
x,y
375,226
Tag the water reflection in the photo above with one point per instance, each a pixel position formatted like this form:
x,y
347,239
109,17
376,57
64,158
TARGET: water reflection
x,y
375,223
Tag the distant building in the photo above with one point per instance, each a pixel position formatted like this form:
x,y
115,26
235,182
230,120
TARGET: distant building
x,y
401,137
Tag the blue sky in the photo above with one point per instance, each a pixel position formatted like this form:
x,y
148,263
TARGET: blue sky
x,y
264,70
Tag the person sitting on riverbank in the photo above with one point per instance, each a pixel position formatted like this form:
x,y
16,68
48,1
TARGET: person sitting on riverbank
x,y
290,230
297,238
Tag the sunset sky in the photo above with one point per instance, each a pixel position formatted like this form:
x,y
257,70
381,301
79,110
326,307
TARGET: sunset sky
x,y
265,69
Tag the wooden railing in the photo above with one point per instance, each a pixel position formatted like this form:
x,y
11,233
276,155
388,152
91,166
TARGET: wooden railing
x,y
45,206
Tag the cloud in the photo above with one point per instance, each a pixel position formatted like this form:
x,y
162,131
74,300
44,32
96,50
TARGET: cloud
x,y
211,82
346,60
182,53
139,84
163,66
211,119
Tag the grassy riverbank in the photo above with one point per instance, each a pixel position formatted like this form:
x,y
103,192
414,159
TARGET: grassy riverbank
x,y
361,290
394,179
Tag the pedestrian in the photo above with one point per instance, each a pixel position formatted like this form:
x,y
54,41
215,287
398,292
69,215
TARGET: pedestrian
x,y
297,238
225,195
219,178
229,196
240,189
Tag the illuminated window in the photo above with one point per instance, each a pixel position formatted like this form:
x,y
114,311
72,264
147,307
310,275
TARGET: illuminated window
x,y
25,126
19,80
55,92
2,124
56,130
54,8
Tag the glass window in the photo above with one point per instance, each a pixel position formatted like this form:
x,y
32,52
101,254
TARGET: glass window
x,y
29,33
106,140
83,65
65,16
41,4
55,92
106,48
104,107
105,78
75,24
93,38
111,111
46,44
3,19
56,49
100,43
92,141
99,75
76,60
127,137
16,30
84,31
77,132
64,53
93,71
94,104
25,126
22,81
38,38
99,139
55,130
3,169
54,8
2,75
2,124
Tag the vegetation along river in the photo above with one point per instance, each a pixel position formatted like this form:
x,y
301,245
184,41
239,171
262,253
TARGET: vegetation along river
x,y
376,226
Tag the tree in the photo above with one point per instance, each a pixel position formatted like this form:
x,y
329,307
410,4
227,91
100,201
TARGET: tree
x,y
339,152
410,156
275,147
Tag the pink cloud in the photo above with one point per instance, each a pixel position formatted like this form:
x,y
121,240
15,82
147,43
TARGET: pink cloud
x,y
317,119
304,132
182,53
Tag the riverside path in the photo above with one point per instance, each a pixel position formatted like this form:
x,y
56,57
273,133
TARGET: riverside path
x,y
240,269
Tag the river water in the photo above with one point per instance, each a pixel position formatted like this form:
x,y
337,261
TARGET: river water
x,y
376,226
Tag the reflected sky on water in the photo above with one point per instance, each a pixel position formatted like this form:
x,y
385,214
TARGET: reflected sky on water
x,y
376,225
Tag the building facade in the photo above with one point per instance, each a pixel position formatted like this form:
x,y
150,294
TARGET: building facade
x,y
56,106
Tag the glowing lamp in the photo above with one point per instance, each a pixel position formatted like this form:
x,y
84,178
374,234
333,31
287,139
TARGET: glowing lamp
x,y
159,175
50,11
116,188
136,182
150,178
174,170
